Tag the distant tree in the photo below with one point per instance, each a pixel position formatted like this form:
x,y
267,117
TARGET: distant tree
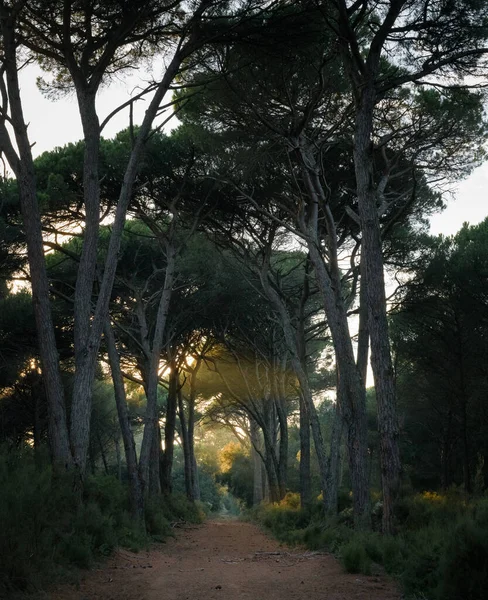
x,y
83,47
439,338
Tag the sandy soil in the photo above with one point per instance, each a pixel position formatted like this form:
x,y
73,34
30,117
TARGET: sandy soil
x,y
225,560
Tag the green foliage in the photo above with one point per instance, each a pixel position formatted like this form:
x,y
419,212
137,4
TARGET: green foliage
x,y
286,520
439,333
237,472
355,558
439,553
45,529
430,508
463,570
157,524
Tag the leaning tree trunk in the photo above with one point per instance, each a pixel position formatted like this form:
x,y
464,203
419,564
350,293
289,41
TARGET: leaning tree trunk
x,y
23,167
151,421
291,343
87,358
136,495
281,412
363,330
350,393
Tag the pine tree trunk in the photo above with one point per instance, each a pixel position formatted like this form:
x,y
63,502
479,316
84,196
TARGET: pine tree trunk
x,y
152,374
188,470
305,473
350,391
281,412
23,167
270,458
305,480
372,257
292,346
191,430
154,483
102,452
258,492
135,488
166,466
86,354
333,482
118,458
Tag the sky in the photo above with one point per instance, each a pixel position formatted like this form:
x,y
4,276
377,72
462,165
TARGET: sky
x,y
55,123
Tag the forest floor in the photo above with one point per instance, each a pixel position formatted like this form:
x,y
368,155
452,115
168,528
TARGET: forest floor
x,y
225,559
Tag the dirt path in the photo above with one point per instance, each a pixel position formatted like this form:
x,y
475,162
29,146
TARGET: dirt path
x,y
226,560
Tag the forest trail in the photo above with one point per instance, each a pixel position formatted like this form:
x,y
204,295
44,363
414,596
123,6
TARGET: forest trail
x,y
226,560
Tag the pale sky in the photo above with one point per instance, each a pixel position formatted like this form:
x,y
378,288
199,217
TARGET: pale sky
x,y
470,204
55,123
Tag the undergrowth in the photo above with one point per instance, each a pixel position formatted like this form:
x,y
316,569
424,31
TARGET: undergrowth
x,y
46,532
439,553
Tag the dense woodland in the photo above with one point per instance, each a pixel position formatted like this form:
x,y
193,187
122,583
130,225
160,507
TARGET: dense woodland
x,y
247,310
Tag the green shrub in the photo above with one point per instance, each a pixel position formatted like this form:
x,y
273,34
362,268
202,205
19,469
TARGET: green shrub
x,y
230,503
480,512
157,524
418,561
109,494
283,521
430,508
354,557
463,571
76,549
99,527
439,553
374,544
45,529
392,554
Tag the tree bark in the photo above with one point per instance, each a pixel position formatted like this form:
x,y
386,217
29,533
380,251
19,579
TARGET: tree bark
x,y
85,366
333,482
281,412
271,461
154,483
23,167
305,479
186,449
191,429
258,492
305,464
152,375
372,256
291,342
350,391
135,488
166,465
